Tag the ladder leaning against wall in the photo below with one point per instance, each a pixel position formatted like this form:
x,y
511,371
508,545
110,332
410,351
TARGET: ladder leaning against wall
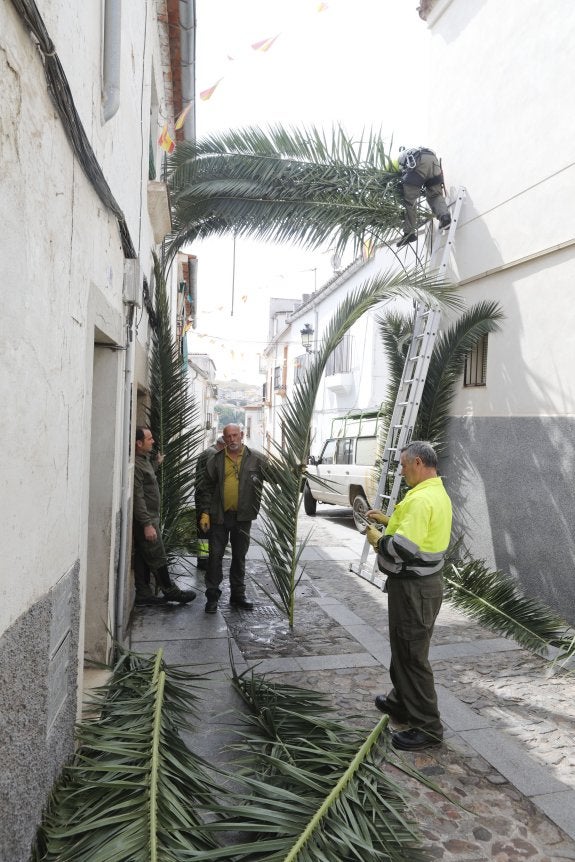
x,y
414,375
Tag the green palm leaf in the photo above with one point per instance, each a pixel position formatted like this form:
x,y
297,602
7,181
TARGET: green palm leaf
x,y
318,792
134,790
282,493
445,367
495,600
284,184
172,418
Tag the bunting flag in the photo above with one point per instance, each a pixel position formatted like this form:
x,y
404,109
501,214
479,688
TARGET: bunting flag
x,y
181,119
262,45
165,141
265,44
207,94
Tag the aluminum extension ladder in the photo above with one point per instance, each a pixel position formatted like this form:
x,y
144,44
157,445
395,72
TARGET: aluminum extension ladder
x,y
414,375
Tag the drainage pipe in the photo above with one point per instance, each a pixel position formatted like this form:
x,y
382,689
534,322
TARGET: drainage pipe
x,y
111,59
125,521
188,65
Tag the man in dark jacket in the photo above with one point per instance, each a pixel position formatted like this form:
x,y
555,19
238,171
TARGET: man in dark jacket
x,y
230,500
149,552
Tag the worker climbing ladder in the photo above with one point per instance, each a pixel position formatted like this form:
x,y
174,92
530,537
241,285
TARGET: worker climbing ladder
x,y
410,391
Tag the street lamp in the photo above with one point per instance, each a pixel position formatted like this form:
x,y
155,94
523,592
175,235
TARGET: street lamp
x,y
307,337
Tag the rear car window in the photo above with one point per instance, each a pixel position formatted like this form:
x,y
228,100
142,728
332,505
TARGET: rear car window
x,y
365,451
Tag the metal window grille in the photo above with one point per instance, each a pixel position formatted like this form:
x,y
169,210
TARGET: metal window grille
x,y
339,362
476,364
278,377
301,364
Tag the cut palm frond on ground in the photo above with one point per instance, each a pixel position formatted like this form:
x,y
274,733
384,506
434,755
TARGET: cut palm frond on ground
x,y
319,791
133,791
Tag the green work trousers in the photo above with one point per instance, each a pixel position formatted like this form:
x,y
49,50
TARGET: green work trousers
x,y
413,605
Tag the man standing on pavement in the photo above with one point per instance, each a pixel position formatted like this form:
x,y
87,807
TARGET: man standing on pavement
x,y
411,553
149,552
201,461
230,501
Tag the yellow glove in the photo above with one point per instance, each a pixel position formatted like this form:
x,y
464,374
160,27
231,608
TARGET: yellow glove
x,y
204,522
379,517
373,536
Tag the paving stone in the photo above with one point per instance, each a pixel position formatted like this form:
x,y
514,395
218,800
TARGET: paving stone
x,y
508,719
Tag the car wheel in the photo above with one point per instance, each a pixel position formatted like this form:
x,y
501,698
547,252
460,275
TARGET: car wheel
x,y
309,502
360,507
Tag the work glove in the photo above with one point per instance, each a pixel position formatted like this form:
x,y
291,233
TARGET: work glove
x,y
204,522
379,517
373,536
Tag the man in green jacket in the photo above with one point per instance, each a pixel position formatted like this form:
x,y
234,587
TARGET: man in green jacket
x,y
149,551
411,553
230,500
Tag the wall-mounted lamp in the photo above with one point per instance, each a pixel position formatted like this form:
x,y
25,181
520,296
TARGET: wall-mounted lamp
x,y
307,337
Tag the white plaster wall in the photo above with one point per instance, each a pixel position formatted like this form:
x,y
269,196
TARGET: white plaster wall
x,y
503,122
59,247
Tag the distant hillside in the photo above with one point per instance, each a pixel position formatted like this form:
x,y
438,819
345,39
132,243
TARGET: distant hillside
x,y
238,393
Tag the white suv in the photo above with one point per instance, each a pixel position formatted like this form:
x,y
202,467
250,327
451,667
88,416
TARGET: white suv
x,y
343,475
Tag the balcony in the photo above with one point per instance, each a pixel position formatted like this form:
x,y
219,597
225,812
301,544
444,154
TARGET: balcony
x,y
159,209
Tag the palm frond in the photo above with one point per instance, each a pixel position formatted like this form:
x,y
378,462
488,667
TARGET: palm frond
x,y
282,493
172,418
494,599
314,790
288,185
446,368
133,790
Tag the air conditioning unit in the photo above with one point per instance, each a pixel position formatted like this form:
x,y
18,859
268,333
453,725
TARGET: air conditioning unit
x,y
132,287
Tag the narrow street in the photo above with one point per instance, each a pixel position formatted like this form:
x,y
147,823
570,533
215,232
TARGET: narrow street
x,y
507,766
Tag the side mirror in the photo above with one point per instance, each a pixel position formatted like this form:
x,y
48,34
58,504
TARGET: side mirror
x,y
312,460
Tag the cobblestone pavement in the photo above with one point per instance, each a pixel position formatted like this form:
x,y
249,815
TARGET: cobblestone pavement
x,y
508,759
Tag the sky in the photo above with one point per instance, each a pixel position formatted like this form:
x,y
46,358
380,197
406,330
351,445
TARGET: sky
x,y
359,63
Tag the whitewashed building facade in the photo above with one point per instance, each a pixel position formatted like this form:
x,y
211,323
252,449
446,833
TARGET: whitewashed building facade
x,y
83,207
498,102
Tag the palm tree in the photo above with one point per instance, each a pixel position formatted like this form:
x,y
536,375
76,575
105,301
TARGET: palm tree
x,y
445,367
172,416
287,185
282,494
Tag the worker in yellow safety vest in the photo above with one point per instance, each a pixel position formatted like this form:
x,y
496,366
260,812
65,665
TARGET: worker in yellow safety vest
x,y
411,553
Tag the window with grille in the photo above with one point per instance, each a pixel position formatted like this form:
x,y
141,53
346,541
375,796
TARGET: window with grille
x,y
277,377
475,373
301,363
339,362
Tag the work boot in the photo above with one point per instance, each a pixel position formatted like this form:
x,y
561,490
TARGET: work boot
x,y
147,597
175,594
444,221
170,590
405,239
212,597
242,603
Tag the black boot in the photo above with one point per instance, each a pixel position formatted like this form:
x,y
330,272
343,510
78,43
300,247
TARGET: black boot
x,y
170,590
241,602
212,597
